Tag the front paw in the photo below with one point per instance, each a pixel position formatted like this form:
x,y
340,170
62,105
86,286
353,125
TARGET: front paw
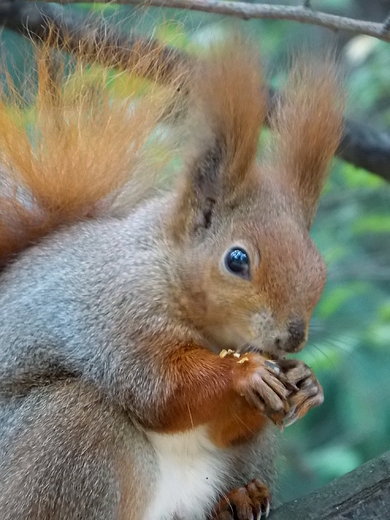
x,y
263,384
250,502
308,392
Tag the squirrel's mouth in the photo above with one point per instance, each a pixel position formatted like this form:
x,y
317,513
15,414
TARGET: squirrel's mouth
x,y
273,356
236,344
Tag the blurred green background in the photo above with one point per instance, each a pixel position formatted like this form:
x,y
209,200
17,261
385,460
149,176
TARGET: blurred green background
x,y
349,340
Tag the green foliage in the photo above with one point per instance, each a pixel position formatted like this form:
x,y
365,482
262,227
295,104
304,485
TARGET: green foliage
x,y
349,343
349,340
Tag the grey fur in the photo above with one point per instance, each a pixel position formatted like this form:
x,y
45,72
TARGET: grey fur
x,y
74,313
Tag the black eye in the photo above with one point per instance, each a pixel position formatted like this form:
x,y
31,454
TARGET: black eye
x,y
237,262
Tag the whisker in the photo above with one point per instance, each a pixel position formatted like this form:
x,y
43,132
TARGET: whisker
x,y
190,414
243,423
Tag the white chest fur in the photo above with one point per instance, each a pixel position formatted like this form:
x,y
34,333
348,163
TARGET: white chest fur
x,y
191,472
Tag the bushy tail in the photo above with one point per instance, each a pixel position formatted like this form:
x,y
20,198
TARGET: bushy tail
x,y
72,152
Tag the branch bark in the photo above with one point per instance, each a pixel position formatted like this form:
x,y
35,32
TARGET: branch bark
x,y
246,11
365,147
91,38
361,145
363,493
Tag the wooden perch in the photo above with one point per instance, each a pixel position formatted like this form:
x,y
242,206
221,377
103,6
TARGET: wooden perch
x,y
362,494
361,145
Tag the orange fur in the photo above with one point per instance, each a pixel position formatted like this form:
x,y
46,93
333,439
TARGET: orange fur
x,y
78,157
202,388
307,126
235,422
229,105
233,104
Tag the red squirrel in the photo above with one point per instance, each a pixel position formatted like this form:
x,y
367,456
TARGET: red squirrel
x,y
144,334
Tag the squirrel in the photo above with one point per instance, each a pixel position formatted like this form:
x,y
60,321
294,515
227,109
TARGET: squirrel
x,y
144,333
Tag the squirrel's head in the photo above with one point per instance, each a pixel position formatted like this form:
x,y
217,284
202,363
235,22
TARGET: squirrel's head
x,y
250,275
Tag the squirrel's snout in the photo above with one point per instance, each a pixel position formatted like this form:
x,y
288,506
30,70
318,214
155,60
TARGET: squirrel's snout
x,y
279,338
296,335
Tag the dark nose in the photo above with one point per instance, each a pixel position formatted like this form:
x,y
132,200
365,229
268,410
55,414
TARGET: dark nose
x,y
296,334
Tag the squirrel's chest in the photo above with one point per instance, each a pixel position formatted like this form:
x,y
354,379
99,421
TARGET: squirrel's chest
x,y
191,472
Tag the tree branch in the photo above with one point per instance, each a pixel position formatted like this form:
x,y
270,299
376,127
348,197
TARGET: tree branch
x,y
386,24
91,38
302,14
361,145
363,493
365,147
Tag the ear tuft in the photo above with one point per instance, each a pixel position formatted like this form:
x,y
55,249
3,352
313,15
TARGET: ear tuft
x,y
228,104
230,96
307,126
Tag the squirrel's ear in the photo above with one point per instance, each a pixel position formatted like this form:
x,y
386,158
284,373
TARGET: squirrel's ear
x,y
307,127
227,108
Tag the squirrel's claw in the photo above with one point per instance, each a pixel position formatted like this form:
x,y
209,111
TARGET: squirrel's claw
x,y
244,503
308,394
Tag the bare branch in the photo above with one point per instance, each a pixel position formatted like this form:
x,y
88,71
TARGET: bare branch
x,y
271,12
365,147
361,145
386,24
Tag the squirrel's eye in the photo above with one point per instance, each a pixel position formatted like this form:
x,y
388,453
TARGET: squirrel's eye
x,y
237,262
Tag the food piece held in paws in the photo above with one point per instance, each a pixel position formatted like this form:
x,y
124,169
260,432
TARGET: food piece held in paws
x,y
229,352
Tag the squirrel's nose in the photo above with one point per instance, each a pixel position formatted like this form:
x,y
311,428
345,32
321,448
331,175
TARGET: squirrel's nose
x,y
296,334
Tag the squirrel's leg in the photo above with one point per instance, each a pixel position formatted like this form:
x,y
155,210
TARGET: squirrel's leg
x,y
244,503
253,500
66,454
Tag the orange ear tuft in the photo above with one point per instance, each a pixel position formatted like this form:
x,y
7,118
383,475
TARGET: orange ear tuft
x,y
307,124
230,95
229,106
